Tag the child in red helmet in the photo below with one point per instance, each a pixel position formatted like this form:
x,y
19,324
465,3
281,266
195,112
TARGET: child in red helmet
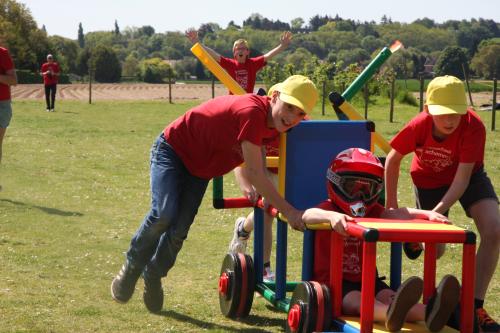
x,y
354,181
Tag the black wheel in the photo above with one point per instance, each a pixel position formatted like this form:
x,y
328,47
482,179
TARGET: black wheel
x,y
303,309
327,320
230,285
247,285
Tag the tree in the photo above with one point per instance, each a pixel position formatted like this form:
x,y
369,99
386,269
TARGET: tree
x,y
486,61
106,64
81,37
297,24
66,52
117,28
27,44
146,30
131,66
450,62
155,70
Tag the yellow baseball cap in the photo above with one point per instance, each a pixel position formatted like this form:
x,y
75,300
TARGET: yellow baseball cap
x,y
297,90
446,95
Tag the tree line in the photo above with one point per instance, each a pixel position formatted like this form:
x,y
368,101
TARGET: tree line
x,y
324,43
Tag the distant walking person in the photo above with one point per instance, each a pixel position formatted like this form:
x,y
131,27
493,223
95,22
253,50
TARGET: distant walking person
x,y
50,72
7,78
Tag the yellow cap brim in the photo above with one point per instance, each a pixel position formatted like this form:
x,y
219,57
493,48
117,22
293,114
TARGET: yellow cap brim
x,y
437,110
292,100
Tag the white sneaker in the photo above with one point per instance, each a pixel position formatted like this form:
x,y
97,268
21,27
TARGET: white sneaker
x,y
268,275
238,244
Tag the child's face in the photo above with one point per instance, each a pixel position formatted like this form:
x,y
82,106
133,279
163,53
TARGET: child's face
x,y
445,124
284,115
241,53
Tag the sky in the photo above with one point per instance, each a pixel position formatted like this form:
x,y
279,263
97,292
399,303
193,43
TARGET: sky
x,y
62,17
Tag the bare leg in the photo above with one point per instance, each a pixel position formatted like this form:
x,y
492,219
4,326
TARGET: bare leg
x,y
486,216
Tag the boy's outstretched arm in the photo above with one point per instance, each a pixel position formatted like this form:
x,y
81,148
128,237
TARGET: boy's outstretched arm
x,y
391,176
337,221
457,187
192,35
285,39
413,213
255,171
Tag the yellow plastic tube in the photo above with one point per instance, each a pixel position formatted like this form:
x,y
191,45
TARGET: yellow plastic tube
x,y
216,69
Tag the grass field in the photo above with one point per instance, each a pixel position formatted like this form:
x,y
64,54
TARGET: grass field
x,y
75,188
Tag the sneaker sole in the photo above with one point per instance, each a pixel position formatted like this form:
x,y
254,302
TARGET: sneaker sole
x,y
447,297
408,295
114,297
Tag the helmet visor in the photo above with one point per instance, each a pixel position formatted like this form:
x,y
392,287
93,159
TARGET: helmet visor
x,y
356,187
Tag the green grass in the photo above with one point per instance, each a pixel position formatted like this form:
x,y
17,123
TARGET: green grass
x,y
76,187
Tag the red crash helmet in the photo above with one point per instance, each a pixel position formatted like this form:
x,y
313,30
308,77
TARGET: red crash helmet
x,y
355,180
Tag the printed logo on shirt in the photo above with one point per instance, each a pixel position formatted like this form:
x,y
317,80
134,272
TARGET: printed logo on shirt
x,y
436,158
242,78
351,256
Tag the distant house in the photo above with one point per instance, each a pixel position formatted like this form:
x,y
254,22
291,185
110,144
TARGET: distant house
x,y
429,66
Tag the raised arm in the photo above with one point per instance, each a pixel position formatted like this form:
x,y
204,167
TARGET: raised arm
x,y
392,166
413,213
285,39
192,35
255,171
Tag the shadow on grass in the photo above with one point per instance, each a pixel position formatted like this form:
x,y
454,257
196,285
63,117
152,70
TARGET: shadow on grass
x,y
52,211
251,320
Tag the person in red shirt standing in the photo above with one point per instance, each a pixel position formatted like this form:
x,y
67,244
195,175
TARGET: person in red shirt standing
x,y
50,72
208,141
7,78
448,166
242,68
355,180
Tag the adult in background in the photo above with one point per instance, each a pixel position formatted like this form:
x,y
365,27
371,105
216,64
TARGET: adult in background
x,y
7,78
50,72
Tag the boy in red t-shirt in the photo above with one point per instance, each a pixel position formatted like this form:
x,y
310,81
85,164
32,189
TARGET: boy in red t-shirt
x,y
208,141
448,165
7,78
50,72
354,183
242,68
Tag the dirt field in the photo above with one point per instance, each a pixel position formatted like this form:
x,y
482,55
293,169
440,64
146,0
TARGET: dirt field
x,y
136,91
144,91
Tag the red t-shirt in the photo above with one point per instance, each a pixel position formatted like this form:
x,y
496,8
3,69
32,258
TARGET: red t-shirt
x,y
208,137
435,163
353,250
245,74
272,149
6,64
47,78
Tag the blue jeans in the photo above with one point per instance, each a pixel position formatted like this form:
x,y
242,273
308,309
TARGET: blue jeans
x,y
175,198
